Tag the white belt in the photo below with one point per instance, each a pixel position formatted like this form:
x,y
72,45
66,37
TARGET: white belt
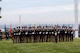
x,y
55,34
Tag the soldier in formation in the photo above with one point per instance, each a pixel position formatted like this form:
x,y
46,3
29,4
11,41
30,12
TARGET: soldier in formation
x,y
42,34
0,35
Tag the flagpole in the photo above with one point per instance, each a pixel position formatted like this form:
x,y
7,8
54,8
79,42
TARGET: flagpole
x,y
76,18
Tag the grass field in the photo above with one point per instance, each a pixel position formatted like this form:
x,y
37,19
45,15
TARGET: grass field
x,y
6,46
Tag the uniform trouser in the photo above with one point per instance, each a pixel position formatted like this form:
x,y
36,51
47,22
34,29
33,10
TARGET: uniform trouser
x,y
56,39
24,39
16,39
50,38
38,38
71,37
21,38
61,37
0,37
45,38
68,37
41,38
32,38
29,38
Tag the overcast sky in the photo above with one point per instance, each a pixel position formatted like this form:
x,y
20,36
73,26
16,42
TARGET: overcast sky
x,y
38,11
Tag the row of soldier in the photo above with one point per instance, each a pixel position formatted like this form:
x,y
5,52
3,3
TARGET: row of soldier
x,y
42,34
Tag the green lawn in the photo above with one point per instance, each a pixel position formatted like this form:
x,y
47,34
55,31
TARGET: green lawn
x,y
6,46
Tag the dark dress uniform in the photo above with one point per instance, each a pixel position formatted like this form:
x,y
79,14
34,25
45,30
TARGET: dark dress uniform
x,y
29,35
56,34
38,35
60,36
22,36
0,35
26,35
16,38
66,35
41,36
14,35
32,36
71,35
51,34
63,36
44,35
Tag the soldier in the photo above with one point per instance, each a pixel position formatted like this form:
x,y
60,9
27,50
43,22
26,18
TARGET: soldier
x,y
41,34
26,34
0,35
22,35
51,34
14,36
61,35
66,35
56,34
44,35
33,34
19,35
71,34
30,34
36,35
7,34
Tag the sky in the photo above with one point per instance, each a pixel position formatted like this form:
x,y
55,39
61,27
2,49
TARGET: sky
x,y
38,11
